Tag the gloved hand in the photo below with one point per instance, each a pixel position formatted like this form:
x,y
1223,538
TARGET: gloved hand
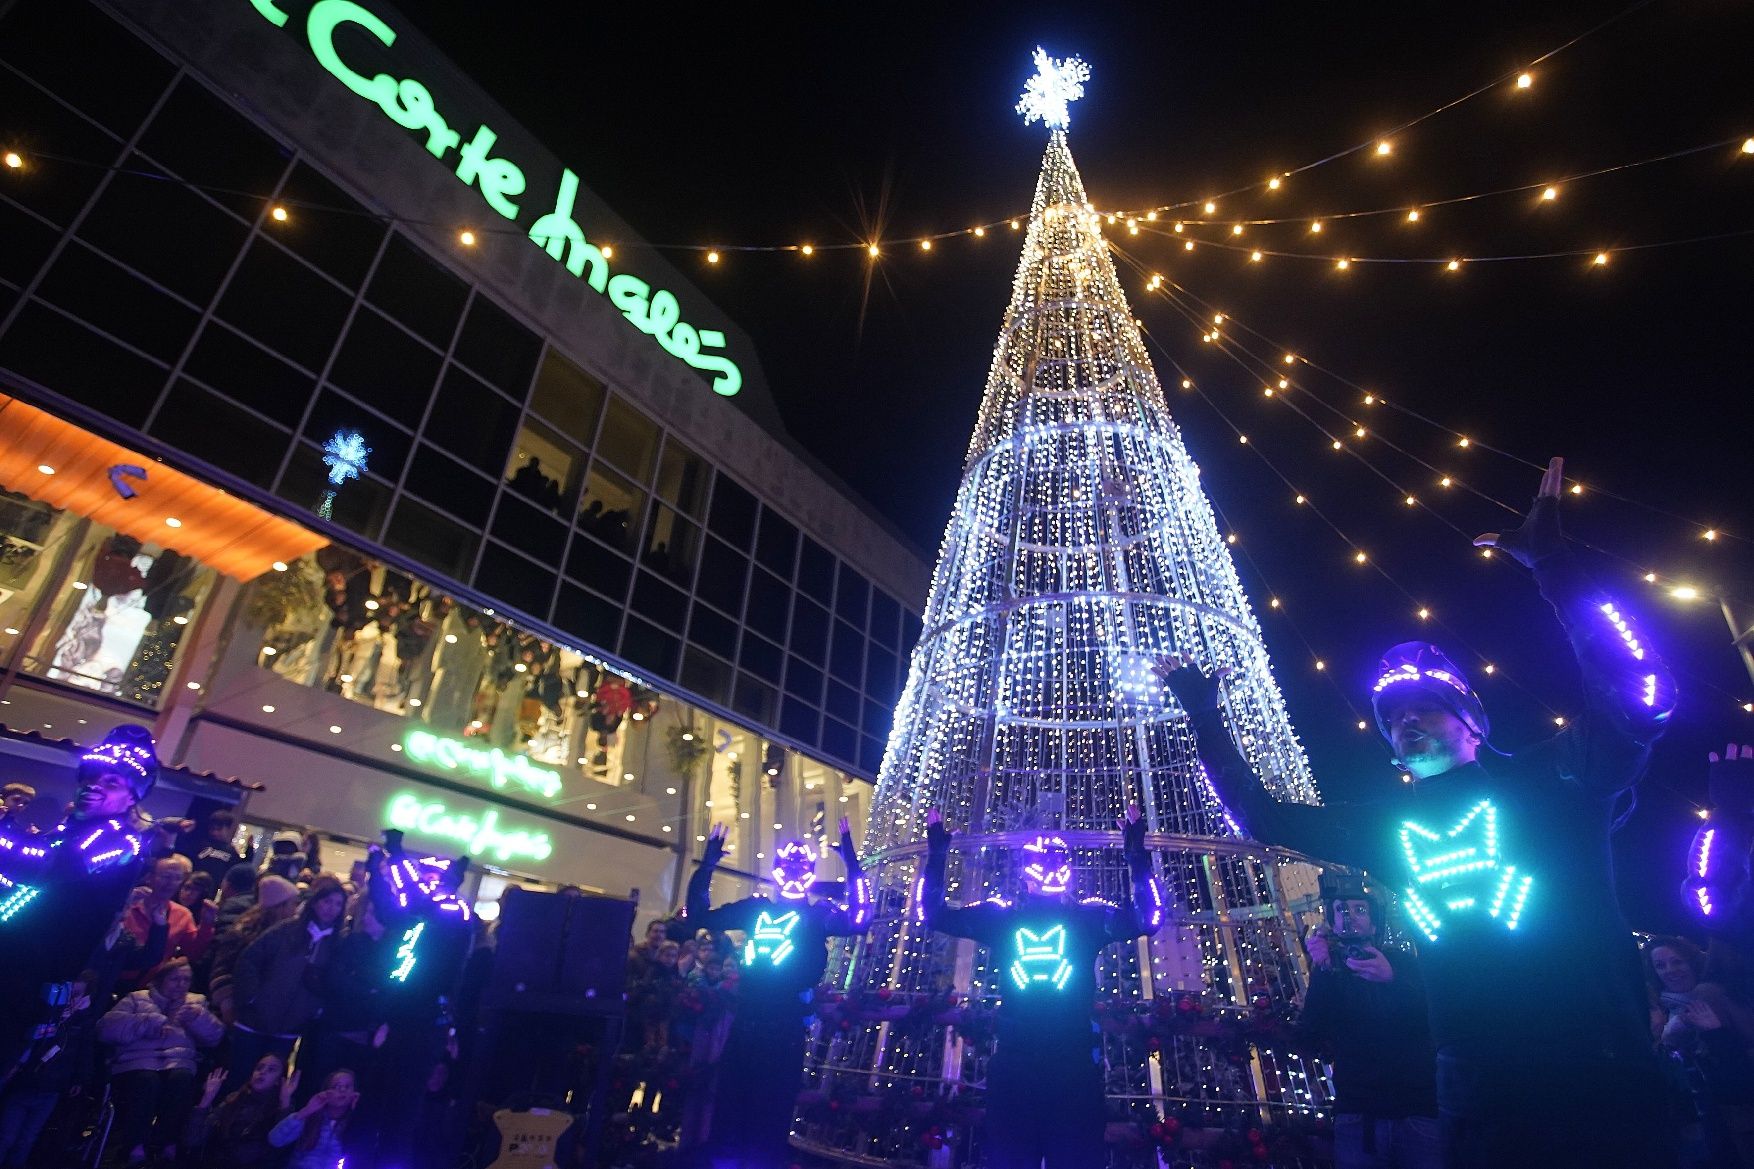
x,y
393,842
937,836
1538,537
1132,833
1196,690
715,846
849,852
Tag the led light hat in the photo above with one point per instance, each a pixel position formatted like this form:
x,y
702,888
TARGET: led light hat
x,y
126,751
1420,667
1047,864
794,869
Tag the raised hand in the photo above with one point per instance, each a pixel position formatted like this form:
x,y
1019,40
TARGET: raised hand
x,y
937,836
1195,689
1315,944
1132,828
715,845
848,851
211,1086
288,1090
1539,536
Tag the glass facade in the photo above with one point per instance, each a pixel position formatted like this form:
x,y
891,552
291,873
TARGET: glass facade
x,y
497,460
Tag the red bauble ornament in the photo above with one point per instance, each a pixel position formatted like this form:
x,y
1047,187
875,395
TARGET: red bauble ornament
x,y
884,993
1171,1125
1187,1005
1157,1131
918,1092
1259,1152
1256,1136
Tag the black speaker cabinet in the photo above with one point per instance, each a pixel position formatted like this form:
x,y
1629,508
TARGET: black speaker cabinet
x,y
560,954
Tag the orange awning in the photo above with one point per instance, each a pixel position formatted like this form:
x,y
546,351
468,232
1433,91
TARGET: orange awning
x,y
220,530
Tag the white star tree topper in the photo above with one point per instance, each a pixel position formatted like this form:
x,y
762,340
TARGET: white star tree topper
x,y
1056,84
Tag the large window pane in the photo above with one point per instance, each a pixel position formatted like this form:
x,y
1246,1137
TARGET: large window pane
x,y
205,142
79,51
629,440
416,291
568,397
285,305
776,546
545,468
383,365
611,507
472,422
723,573
32,533
248,374
55,192
191,260
682,478
418,531
498,348
206,426
672,546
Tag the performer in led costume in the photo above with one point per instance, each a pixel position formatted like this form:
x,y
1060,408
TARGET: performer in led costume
x,y
783,959
1537,1000
60,890
427,933
1044,1084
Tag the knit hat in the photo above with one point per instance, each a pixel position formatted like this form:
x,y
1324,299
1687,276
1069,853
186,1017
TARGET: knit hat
x,y
126,751
1419,666
272,891
288,837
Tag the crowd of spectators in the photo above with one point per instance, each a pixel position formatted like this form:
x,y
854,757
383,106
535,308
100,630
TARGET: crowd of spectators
x,y
205,993
681,995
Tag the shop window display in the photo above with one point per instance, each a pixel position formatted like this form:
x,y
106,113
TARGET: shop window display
x,y
125,610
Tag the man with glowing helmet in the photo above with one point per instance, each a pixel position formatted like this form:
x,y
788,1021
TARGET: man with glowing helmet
x,y
60,890
785,954
1504,871
1044,1101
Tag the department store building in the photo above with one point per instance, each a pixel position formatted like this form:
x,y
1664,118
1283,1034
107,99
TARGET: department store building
x,y
352,443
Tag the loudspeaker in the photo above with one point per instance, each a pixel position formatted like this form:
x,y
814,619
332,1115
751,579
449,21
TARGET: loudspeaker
x,y
561,954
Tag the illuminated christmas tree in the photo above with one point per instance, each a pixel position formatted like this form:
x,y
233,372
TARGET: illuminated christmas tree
x,y
1080,548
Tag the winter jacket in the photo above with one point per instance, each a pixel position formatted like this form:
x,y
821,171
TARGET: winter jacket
x,y
230,910
277,977
148,1040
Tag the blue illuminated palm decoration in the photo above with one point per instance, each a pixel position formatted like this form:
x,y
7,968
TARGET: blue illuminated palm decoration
x,y
345,455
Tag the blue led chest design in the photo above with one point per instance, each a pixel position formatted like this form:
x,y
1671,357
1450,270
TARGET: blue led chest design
x,y
771,939
405,953
1461,872
14,896
1040,958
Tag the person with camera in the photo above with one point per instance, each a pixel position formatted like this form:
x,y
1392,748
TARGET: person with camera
x,y
1365,1010
1502,863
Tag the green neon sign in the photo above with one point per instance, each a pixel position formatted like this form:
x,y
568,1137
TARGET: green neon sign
x,y
480,836
410,104
489,764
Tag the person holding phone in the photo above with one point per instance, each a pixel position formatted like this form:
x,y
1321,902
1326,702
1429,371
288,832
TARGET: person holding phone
x,y
1366,1010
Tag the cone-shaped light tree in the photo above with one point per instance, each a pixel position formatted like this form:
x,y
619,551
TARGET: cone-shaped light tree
x,y
1080,548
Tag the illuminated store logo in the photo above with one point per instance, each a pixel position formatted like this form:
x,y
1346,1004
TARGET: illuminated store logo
x,y
479,835
490,763
501,182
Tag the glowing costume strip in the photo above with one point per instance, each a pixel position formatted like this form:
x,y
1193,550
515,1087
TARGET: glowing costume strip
x,y
1040,958
771,938
1457,871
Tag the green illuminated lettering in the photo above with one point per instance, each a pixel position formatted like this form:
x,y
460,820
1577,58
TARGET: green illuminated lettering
x,y
490,764
483,837
410,104
563,239
328,15
496,177
269,13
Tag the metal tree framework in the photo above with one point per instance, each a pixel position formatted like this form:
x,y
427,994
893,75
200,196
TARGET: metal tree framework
x,y
1080,547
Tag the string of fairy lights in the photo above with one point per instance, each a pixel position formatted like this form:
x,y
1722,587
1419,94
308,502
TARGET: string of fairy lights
x,y
1278,385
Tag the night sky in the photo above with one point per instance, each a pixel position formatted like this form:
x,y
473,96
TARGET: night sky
x,y
862,121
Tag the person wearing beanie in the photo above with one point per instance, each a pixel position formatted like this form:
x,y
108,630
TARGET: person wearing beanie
x,y
274,900
1536,997
277,977
60,890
